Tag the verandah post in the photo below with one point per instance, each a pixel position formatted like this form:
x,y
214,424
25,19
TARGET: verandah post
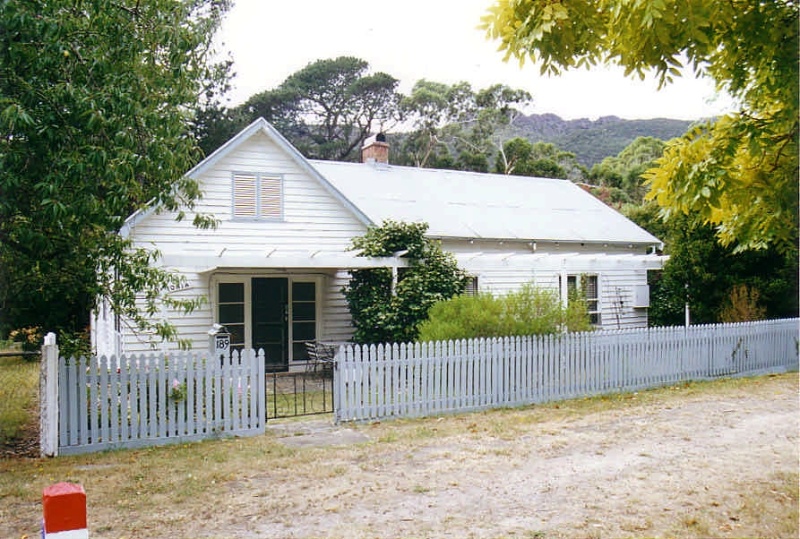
x,y
48,402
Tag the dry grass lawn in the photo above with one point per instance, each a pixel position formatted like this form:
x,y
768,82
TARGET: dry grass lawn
x,y
700,460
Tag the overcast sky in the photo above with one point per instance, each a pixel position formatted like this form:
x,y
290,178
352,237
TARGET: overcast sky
x,y
435,40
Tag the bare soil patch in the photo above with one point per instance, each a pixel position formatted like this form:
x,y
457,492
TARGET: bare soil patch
x,y
716,464
704,460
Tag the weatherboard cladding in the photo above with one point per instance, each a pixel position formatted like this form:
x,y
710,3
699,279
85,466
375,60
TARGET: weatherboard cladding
x,y
313,219
268,151
326,204
616,280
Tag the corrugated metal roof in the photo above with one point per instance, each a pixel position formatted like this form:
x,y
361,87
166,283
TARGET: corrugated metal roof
x,y
458,204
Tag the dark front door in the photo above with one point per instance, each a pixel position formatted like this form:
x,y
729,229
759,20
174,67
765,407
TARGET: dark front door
x,y
270,304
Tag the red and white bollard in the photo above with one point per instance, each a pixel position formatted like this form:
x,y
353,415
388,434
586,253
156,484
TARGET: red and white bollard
x,y
64,506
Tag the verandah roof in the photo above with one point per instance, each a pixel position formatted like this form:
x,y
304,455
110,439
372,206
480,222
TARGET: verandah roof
x,y
557,261
276,259
208,262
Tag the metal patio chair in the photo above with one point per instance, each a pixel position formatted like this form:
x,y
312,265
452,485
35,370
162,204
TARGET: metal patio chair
x,y
320,357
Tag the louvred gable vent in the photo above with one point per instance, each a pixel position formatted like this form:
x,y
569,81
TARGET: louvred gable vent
x,y
244,196
270,197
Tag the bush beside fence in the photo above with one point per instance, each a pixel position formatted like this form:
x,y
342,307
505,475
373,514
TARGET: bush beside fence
x,y
420,379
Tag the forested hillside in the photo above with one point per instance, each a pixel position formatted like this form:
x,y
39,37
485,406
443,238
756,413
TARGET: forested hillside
x,y
593,140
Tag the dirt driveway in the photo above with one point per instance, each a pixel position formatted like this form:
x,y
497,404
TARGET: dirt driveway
x,y
697,461
718,462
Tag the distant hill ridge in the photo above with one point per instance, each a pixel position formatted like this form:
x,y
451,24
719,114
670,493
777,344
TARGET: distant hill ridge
x,y
593,140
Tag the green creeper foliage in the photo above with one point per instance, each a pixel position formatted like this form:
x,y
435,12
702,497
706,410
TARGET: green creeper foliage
x,y
738,173
527,311
96,101
378,315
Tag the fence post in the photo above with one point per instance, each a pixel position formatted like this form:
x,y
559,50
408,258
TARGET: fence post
x,y
48,398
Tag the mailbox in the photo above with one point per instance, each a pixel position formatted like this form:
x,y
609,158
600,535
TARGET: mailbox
x,y
219,341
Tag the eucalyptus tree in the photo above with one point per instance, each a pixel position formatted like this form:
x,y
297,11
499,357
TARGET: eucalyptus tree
x,y
737,173
456,125
329,107
521,157
627,169
431,110
96,101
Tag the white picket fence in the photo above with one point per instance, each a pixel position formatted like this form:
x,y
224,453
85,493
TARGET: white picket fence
x,y
423,379
135,401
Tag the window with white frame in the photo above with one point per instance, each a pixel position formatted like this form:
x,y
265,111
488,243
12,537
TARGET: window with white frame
x,y
257,196
590,292
231,311
472,286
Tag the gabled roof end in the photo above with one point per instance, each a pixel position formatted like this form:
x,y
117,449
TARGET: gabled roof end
x,y
260,125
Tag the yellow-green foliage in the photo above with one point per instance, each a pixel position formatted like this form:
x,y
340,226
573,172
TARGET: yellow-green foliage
x,y
528,311
738,172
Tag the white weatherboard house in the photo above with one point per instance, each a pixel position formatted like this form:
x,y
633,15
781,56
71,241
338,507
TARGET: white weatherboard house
x,y
273,270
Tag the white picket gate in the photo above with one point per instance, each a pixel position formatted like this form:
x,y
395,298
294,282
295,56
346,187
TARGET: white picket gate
x,y
421,379
135,401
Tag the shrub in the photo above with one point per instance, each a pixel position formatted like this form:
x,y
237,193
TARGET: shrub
x,y
76,344
528,311
463,317
742,305
30,338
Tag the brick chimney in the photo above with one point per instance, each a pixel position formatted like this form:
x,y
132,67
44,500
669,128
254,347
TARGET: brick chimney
x,y
375,149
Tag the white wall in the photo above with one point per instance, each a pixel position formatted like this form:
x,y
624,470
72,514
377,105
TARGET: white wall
x,y
313,220
502,267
